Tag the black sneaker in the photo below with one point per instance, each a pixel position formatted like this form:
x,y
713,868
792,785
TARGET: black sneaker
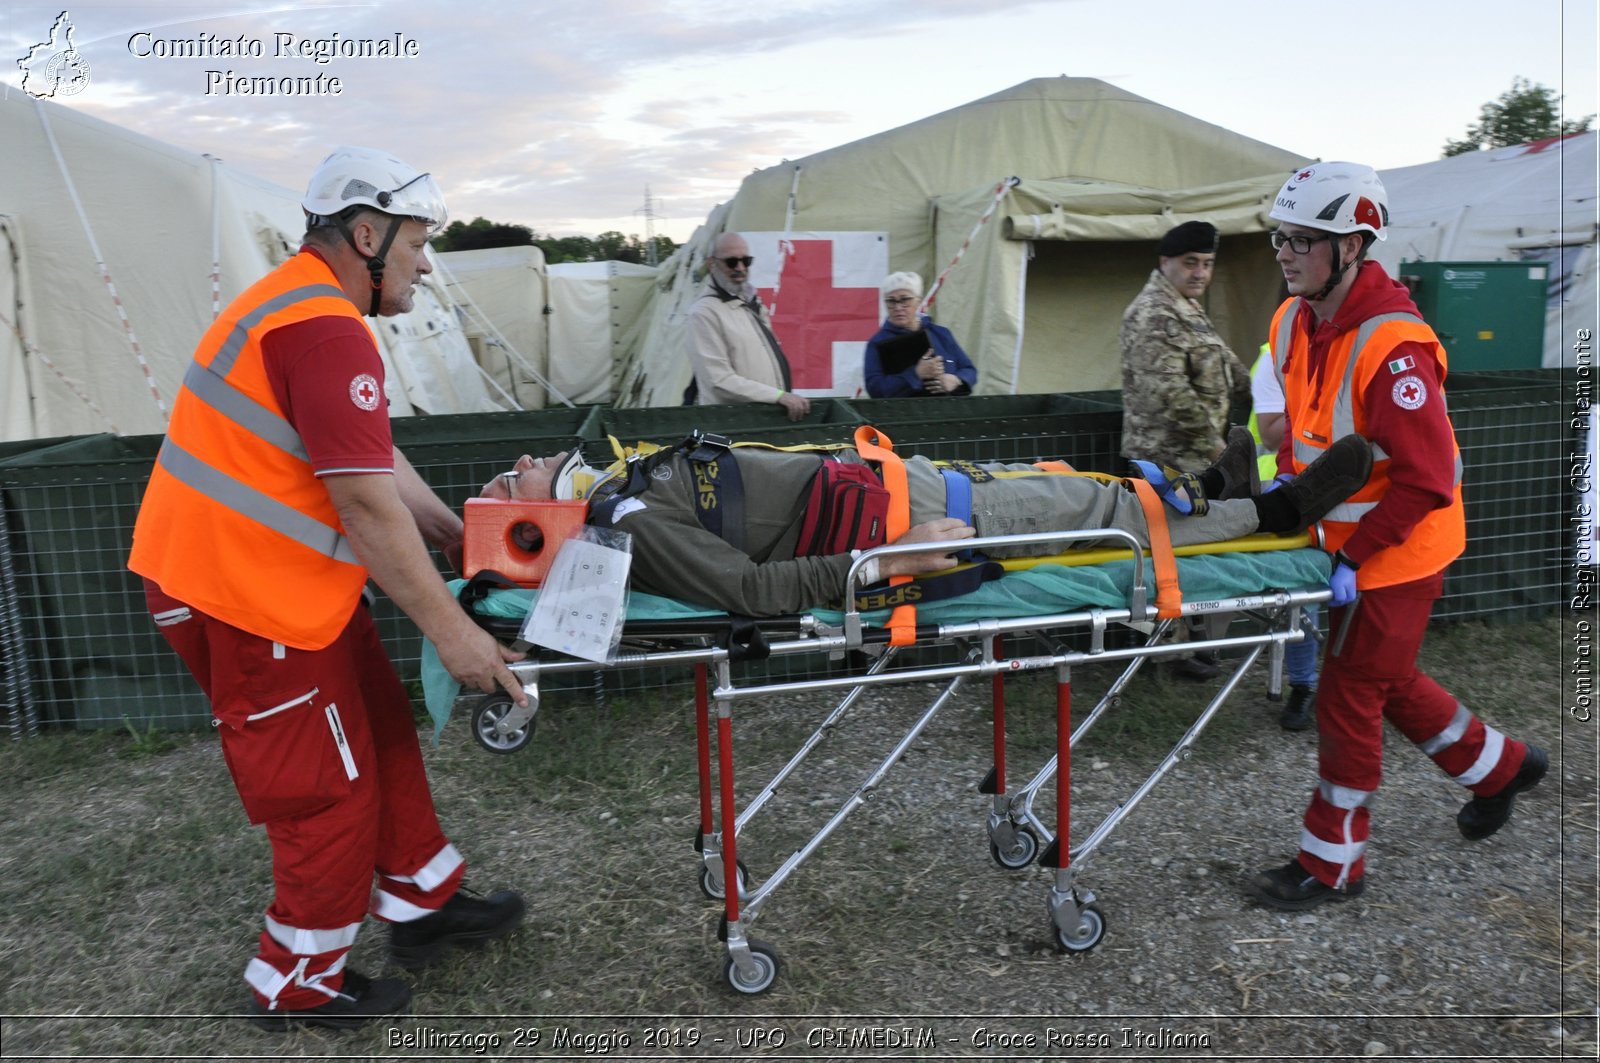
x,y
1337,474
1482,816
466,920
1298,712
1294,889
360,1000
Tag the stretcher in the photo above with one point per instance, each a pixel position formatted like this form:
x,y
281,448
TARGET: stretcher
x,y
1057,610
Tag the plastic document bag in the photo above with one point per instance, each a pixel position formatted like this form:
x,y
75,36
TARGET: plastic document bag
x,y
583,599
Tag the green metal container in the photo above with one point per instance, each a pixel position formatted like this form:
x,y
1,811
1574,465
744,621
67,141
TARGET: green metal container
x,y
1488,315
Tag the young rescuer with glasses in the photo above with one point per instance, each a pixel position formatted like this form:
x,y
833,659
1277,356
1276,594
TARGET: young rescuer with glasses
x,y
1353,355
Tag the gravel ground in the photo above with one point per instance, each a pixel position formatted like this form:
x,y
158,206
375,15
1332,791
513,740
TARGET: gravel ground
x,y
1457,949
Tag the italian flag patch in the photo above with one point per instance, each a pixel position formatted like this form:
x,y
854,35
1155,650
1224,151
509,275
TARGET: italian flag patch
x,y
1400,365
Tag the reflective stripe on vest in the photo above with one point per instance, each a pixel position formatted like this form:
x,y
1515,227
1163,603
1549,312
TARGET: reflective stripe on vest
x,y
247,501
209,382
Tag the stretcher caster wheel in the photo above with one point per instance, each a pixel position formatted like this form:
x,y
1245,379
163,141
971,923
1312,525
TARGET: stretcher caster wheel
x,y
1020,853
1091,928
765,962
485,726
714,889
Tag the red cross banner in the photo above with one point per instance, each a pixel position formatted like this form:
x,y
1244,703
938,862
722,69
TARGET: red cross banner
x,y
822,292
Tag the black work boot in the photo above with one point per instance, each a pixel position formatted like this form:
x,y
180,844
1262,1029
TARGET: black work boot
x,y
1339,473
1482,816
465,920
360,1000
1235,467
1294,889
1297,711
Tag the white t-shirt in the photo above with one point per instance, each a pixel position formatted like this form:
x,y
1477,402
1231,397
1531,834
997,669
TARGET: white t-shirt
x,y
1265,394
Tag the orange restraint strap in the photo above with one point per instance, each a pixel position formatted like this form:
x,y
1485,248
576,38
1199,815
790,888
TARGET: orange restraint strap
x,y
873,445
1169,598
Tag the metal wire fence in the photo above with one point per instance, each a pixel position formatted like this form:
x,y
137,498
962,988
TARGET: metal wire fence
x,y
79,649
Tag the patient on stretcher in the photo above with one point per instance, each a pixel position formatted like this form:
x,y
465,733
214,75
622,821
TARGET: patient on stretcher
x,y
765,532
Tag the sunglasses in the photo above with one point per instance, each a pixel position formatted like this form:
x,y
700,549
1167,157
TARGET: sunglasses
x,y
735,261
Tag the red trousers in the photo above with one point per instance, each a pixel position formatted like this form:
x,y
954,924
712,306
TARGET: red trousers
x,y
1375,677
324,753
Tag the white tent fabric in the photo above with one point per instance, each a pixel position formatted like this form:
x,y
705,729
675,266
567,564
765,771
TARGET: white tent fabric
x,y
1105,173
116,252
1534,201
503,293
595,312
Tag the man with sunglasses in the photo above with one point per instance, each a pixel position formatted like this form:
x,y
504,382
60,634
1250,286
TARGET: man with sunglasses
x,y
1353,355
276,494
735,355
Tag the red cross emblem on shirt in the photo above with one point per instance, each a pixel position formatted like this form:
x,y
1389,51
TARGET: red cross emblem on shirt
x,y
1410,392
813,315
364,391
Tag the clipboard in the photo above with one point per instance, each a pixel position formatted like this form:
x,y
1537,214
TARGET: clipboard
x,y
899,353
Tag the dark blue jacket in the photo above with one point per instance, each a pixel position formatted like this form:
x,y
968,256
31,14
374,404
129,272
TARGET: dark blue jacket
x,y
881,385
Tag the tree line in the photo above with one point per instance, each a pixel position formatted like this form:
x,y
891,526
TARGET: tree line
x,y
610,246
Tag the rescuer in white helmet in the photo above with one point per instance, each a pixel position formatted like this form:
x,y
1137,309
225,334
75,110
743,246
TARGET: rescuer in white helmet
x,y
1353,355
278,492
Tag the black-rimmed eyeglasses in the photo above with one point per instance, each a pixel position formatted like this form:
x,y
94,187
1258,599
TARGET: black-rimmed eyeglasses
x,y
1299,243
899,300
735,261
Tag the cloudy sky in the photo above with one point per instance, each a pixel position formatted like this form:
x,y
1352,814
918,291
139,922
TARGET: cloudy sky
x,y
559,115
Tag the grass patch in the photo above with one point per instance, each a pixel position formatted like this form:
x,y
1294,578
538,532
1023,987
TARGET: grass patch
x,y
134,887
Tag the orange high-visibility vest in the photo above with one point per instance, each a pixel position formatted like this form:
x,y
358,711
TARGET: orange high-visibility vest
x,y
1317,418
234,522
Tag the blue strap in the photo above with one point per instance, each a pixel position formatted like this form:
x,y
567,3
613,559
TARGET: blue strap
x,y
958,504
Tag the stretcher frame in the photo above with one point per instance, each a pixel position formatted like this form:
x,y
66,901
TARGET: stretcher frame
x,y
1018,835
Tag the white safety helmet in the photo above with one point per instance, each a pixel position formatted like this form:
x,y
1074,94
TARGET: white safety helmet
x,y
366,177
1335,197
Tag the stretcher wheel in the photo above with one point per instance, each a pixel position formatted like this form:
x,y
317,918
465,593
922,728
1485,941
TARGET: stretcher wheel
x,y
767,965
1091,928
713,889
485,720
1021,852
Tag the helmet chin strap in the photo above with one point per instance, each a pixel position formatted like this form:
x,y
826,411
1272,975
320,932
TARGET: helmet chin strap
x,y
1336,276
375,263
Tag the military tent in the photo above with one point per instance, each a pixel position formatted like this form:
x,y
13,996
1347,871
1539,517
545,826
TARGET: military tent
x,y
1533,202
117,251
1036,208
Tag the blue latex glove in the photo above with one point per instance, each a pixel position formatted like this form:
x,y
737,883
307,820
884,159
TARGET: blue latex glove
x,y
1276,482
1342,584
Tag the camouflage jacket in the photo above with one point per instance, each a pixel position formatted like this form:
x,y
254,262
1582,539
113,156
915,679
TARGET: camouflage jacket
x,y
1178,379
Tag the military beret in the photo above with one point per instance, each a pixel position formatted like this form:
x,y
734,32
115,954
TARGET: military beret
x,y
1190,236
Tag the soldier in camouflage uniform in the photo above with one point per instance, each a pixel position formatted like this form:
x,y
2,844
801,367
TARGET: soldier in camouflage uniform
x,y
1178,378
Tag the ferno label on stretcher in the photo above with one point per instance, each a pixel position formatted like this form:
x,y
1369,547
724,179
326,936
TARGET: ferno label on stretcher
x,y
583,599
